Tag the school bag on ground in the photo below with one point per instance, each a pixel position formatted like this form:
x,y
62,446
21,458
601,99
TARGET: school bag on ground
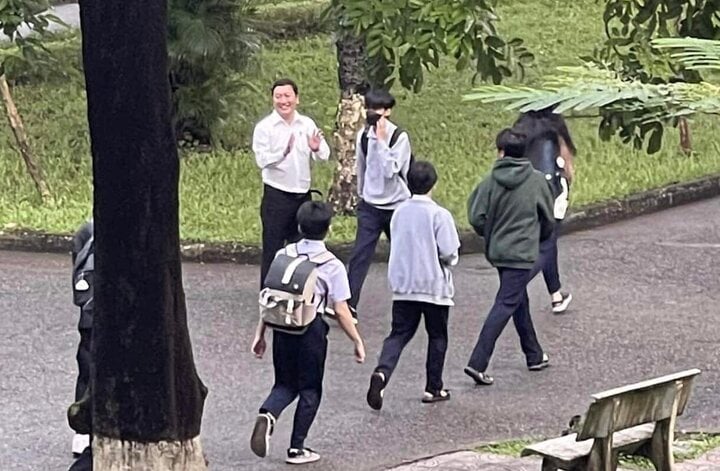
x,y
287,300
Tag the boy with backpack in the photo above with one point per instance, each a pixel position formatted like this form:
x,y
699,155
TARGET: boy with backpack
x,y
423,247
383,156
512,209
303,281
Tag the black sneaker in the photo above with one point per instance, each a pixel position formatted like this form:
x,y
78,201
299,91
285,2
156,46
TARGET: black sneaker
x,y
544,363
260,440
304,456
439,396
559,307
480,378
376,391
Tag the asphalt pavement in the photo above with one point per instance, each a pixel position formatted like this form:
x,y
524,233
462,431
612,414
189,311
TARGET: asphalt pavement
x,y
646,304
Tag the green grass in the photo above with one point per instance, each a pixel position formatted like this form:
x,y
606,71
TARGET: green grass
x,y
686,447
220,191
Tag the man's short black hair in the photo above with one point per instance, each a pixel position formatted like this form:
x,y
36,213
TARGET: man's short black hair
x,y
511,143
282,82
379,98
314,219
421,177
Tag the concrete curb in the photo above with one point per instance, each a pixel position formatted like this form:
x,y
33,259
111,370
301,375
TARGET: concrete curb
x,y
580,219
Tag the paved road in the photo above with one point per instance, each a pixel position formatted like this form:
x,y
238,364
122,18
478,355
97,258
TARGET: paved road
x,y
646,303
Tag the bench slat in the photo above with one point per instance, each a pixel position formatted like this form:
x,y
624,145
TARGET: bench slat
x,y
568,450
646,384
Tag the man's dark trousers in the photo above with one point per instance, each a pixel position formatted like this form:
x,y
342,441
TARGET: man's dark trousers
x,y
278,212
511,302
371,222
299,362
405,320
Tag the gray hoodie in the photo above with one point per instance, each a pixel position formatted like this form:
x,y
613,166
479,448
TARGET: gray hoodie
x,y
424,244
382,173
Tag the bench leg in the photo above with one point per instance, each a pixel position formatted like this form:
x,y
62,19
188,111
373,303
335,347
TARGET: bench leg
x,y
661,453
547,465
601,456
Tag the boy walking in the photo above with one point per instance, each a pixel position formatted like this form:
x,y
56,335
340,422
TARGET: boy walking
x,y
383,158
299,359
424,245
512,209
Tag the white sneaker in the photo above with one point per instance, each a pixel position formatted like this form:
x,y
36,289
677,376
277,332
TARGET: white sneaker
x,y
79,443
559,307
304,456
260,439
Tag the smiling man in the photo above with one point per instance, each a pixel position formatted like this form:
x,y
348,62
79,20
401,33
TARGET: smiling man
x,y
284,142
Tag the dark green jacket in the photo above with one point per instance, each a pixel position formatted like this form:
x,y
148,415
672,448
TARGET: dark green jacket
x,y
512,208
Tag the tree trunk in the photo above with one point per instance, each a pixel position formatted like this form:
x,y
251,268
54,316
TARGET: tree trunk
x,y
685,137
147,399
18,129
349,121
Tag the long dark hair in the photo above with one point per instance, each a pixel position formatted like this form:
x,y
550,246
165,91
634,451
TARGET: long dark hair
x,y
534,123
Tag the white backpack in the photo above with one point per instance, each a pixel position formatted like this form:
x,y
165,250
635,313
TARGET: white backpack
x,y
287,300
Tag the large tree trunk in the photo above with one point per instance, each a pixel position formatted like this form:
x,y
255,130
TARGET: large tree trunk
x,y
18,130
349,121
147,399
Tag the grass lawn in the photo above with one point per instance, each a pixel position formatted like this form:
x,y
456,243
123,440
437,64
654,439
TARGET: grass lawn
x,y
220,191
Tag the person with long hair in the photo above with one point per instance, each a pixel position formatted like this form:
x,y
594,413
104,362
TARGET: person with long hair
x,y
551,150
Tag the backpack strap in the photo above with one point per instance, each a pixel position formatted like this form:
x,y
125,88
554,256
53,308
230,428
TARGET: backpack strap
x,y
322,258
83,254
291,250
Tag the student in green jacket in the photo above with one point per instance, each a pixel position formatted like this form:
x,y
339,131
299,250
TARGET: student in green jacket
x,y
512,209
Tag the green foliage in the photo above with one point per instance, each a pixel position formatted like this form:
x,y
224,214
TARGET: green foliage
x,y
220,191
208,40
29,49
403,37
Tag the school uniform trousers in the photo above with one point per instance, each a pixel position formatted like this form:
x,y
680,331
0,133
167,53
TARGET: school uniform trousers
x,y
511,302
405,321
547,262
371,222
299,363
278,213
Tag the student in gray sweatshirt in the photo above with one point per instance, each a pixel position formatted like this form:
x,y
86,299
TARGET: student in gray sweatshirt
x,y
424,245
383,158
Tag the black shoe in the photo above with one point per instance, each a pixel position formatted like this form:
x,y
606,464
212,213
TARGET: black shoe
x,y
353,313
260,440
439,396
480,378
544,363
376,391
559,307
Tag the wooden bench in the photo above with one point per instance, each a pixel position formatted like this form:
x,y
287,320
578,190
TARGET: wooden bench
x,y
638,420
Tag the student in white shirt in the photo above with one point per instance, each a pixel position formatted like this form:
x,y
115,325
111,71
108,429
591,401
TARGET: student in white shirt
x,y
284,142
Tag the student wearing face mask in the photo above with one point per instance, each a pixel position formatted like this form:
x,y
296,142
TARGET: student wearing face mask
x,y
284,142
383,158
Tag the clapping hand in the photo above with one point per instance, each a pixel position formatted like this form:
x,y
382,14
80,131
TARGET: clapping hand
x,y
315,140
290,144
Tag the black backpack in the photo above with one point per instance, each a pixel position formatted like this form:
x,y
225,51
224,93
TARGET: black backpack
x,y
393,139
544,155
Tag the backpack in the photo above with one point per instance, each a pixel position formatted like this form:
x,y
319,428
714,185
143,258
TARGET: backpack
x,y
82,275
546,159
287,300
393,139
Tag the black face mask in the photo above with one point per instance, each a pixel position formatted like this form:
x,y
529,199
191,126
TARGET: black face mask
x,y
372,118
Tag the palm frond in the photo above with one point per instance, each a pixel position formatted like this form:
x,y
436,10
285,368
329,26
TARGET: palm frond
x,y
692,53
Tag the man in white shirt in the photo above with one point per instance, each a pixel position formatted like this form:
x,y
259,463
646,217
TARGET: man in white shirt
x,y
284,142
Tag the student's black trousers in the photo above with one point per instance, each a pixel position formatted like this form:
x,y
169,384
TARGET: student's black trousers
x,y
405,321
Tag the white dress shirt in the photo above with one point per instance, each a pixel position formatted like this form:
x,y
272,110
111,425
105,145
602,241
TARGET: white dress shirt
x,y
289,173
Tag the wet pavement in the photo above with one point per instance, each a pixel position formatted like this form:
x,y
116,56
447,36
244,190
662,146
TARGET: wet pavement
x,y
646,304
